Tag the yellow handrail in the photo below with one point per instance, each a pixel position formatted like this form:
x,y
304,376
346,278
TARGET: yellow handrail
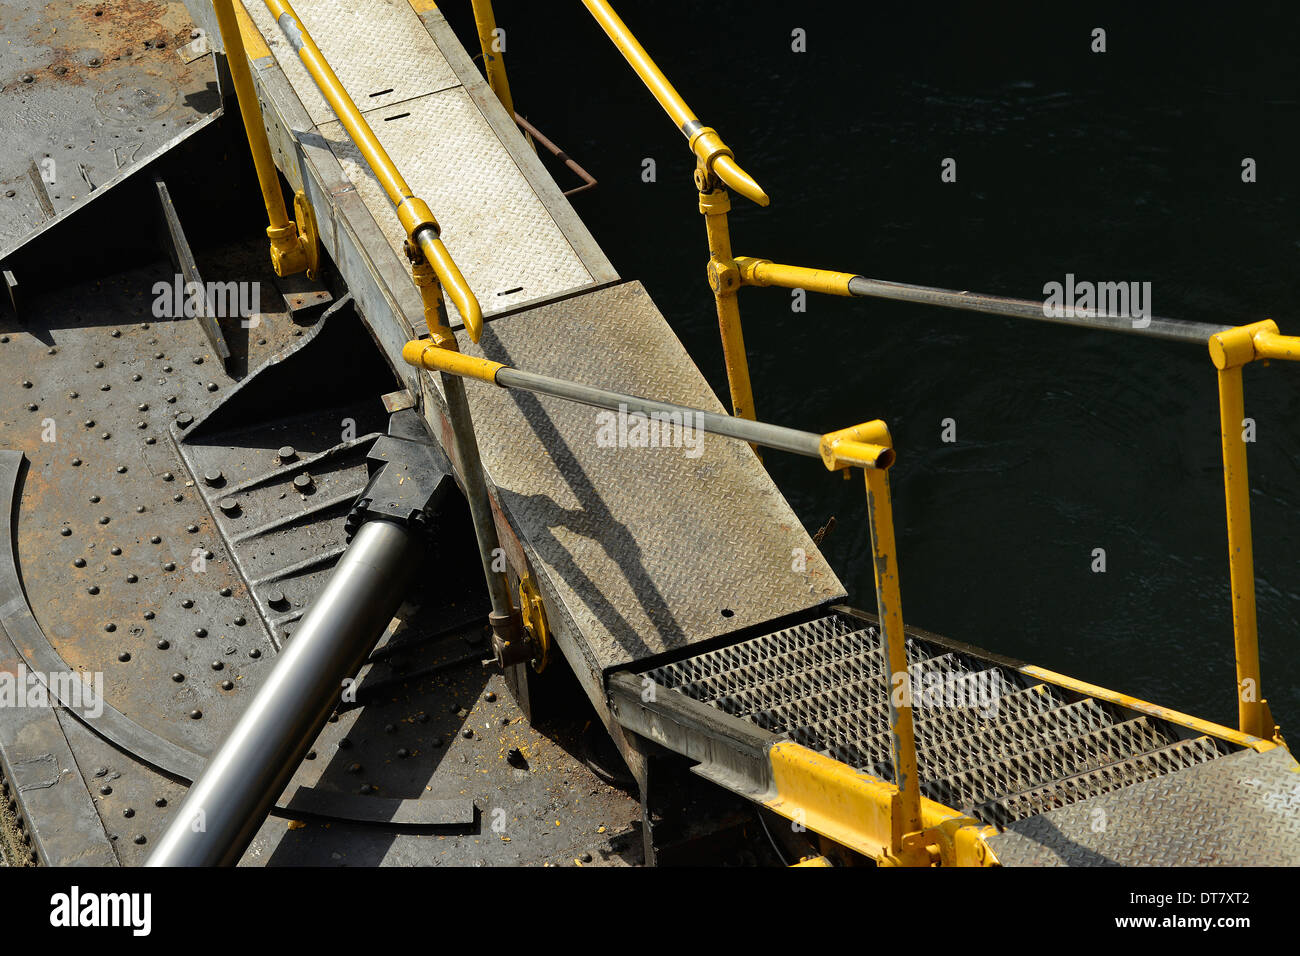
x,y
705,143
416,217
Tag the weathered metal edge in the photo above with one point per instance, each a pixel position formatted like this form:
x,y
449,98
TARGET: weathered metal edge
x,y
47,785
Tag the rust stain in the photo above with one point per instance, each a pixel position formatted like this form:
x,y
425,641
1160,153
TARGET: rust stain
x,y
85,37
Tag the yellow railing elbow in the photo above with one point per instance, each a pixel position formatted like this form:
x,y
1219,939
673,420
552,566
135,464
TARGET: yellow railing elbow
x,y
868,445
454,284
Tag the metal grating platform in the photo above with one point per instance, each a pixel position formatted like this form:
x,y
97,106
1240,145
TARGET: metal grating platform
x,y
1074,779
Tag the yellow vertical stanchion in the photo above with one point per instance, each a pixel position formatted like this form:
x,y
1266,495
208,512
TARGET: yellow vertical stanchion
x,y
1251,710
288,254
493,63
724,279
889,607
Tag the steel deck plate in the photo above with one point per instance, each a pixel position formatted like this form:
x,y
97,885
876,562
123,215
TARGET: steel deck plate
x,y
1238,810
498,230
380,51
87,98
649,550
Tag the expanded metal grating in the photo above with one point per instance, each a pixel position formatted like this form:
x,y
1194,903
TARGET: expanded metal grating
x,y
990,742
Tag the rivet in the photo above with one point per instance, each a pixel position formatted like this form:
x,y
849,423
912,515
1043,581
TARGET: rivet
x,y
239,621
178,497
72,395
192,528
139,509
78,562
160,802
89,423
136,377
128,813
116,333
154,539
124,657
467,733
287,453
255,653
200,632
139,839
114,550
228,506
65,532
110,627
227,685
212,386
99,364
105,790
302,482
163,644
169,566
93,589
198,360
187,603
131,579
217,665
184,419
148,615
225,592
213,477
178,677
168,476
142,407
104,519
121,469
491,697
94,499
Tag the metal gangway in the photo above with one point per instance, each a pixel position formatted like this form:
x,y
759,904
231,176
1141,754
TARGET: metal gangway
x,y
685,623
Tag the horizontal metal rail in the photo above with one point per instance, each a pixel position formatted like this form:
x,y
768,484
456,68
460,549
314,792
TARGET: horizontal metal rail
x,y
848,450
762,272
1194,333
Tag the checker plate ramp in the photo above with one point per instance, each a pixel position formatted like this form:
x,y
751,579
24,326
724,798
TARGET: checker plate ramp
x,y
1071,780
649,549
504,237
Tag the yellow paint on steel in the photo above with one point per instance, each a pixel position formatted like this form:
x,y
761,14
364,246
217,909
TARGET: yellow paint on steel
x,y
420,6
764,272
493,62
861,812
902,737
413,212
1241,563
1206,727
814,861
287,253
254,43
704,141
424,354
867,445
714,205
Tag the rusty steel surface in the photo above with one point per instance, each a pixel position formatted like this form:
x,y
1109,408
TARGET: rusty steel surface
x,y
90,93
426,727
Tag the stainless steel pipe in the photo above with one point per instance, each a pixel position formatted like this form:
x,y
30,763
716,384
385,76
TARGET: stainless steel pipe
x,y
229,802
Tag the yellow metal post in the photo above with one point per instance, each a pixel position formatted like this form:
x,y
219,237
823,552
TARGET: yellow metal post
x,y
724,279
902,739
493,62
288,252
869,446
1251,709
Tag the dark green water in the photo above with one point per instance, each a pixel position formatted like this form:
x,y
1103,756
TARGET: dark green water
x,y
1123,166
